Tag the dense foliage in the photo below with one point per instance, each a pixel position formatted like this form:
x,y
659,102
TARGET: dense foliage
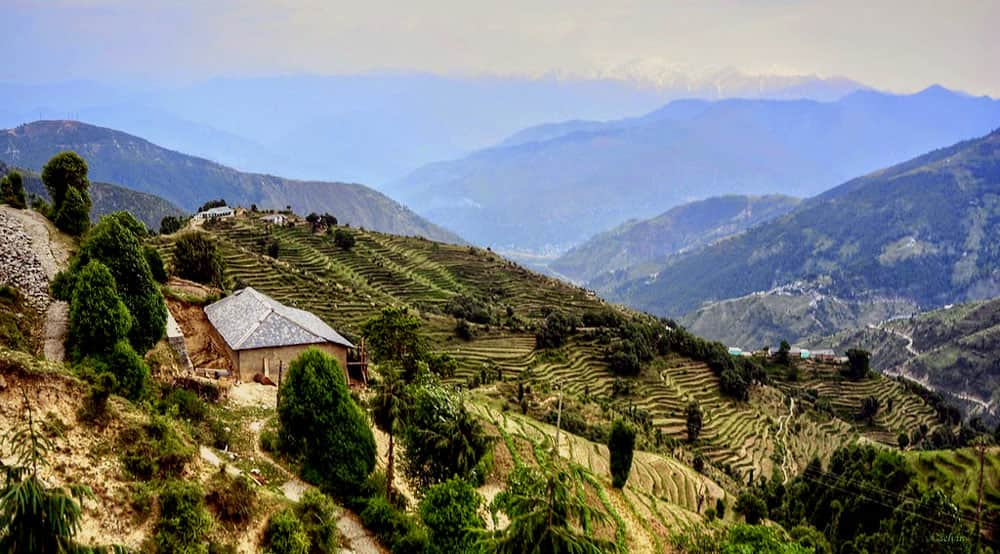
x,y
98,318
621,445
450,510
395,339
442,439
114,243
197,258
184,522
323,426
12,190
694,420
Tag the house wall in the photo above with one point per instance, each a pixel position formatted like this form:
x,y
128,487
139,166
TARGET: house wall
x,y
251,362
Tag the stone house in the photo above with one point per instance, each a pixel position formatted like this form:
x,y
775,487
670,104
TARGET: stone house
x,y
261,335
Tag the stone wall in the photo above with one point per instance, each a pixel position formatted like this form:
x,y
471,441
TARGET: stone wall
x,y
20,266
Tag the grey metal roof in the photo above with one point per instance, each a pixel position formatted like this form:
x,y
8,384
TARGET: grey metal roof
x,y
251,319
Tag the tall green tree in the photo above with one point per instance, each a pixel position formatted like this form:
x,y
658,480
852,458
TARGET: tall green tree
x,y
35,518
62,172
388,406
621,444
858,363
98,318
694,420
73,217
547,514
12,190
116,246
322,425
394,337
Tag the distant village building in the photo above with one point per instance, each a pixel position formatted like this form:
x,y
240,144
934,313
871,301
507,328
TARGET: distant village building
x,y
274,219
800,353
261,334
215,213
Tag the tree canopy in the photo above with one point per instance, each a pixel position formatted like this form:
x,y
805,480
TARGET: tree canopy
x,y
197,257
323,426
621,445
12,190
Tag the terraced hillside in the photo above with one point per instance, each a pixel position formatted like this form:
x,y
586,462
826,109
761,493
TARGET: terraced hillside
x,y
768,433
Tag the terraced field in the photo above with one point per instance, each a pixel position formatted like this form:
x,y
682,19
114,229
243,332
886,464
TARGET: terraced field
x,y
956,472
347,286
659,500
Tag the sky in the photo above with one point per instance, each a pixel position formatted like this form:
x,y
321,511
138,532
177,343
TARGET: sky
x,y
897,45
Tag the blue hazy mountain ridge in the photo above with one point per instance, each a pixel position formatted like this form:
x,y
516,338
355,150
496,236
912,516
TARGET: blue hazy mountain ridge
x,y
371,128
187,181
554,186
923,231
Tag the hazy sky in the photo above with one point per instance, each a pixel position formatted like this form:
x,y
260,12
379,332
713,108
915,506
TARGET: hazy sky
x,y
900,45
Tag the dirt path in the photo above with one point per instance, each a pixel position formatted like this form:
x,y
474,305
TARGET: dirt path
x,y
782,435
358,538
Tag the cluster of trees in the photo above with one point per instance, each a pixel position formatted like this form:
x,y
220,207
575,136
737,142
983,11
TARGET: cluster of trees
x,y
555,330
469,308
736,374
220,203
117,312
316,221
12,190
171,224
866,500
197,258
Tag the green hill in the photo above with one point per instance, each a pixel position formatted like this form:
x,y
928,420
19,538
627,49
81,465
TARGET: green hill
x,y
685,227
345,287
917,233
108,198
952,350
188,181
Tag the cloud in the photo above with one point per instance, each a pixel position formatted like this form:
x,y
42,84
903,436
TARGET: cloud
x,y
895,44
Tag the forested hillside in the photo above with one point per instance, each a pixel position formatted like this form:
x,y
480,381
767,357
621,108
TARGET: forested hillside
x,y
683,228
188,181
917,234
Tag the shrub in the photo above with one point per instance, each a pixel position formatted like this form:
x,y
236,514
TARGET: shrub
x,y
197,258
269,441
183,523
751,506
343,239
698,463
285,534
858,363
233,498
130,371
621,444
12,190
95,405
554,332
322,424
170,224
154,450
318,515
188,404
463,330
155,263
450,511
469,308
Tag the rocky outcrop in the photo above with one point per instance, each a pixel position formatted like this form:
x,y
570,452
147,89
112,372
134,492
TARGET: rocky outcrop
x,y
20,266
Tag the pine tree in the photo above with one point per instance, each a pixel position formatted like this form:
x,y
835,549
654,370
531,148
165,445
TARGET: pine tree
x,y
73,216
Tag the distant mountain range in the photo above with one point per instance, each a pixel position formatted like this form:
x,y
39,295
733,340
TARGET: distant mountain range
x,y
375,128
108,198
554,186
912,237
680,229
188,181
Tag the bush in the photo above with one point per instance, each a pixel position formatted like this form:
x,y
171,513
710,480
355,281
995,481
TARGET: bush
x,y
285,534
155,263
393,526
183,523
233,498
751,506
188,404
130,371
698,463
95,405
463,330
154,450
450,511
858,363
269,441
554,332
469,308
12,190
98,319
694,421
170,224
318,515
343,239
621,444
321,424
197,258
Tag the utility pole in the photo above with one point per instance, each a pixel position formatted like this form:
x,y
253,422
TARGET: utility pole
x,y
559,418
981,447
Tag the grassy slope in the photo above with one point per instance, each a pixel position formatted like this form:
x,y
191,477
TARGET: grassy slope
x,y
346,287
